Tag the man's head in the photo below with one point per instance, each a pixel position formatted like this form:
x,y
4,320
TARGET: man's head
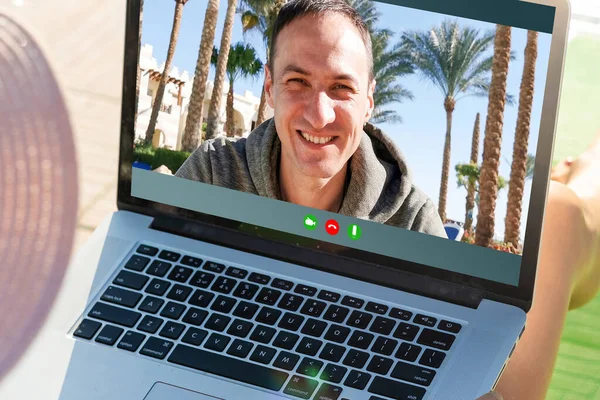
x,y
320,84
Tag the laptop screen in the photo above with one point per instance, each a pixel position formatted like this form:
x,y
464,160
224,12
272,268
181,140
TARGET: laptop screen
x,y
407,129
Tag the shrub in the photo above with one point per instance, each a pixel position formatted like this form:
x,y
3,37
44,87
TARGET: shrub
x,y
172,159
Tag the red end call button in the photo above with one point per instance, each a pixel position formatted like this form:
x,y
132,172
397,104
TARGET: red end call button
x,y
332,227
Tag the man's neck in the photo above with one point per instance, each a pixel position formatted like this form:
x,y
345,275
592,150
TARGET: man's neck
x,y
320,193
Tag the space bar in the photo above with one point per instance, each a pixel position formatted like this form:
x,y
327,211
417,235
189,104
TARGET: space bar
x,y
227,367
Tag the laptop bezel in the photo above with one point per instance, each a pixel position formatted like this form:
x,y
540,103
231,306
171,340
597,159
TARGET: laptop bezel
x,y
277,244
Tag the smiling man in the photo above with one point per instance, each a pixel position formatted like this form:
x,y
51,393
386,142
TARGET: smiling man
x,y
319,150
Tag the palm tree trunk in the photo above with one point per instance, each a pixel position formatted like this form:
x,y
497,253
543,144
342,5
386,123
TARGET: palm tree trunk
x,y
139,71
229,124
165,75
217,94
488,179
262,107
193,124
471,190
518,170
449,104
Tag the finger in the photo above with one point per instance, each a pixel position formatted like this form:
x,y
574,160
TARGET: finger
x,y
491,396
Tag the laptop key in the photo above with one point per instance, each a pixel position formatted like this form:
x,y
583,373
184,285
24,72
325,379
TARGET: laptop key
x,y
424,320
352,302
246,290
150,324
268,296
310,367
240,328
290,302
408,352
191,261
202,279
396,390
337,333
131,341
268,316
400,314
259,278
201,298
359,319
236,272
120,296
329,296
357,379
172,310
130,280
376,308
285,340
262,334
195,316
147,250
286,360
309,346
356,358
336,313
432,358
333,373
217,342
156,348
360,339
158,268
313,308
87,329
172,330
449,326
151,304
413,373
436,339
301,387
305,290
291,321
223,304
116,315
282,284
263,354
224,285
380,365
217,322
406,331
137,263
382,325
194,336
245,310
328,392
228,367
314,327
332,352
179,292
109,335
240,348
384,346
213,267
180,274
157,287
169,255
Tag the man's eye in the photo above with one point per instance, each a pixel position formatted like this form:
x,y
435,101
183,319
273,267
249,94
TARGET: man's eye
x,y
343,87
296,80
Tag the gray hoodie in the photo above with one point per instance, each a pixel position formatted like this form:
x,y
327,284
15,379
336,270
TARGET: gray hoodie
x,y
379,188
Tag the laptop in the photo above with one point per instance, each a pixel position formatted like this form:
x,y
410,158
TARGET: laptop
x,y
204,291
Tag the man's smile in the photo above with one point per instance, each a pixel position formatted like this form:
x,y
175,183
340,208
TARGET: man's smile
x,y
318,140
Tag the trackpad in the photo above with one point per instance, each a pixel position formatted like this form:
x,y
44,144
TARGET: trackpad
x,y
162,391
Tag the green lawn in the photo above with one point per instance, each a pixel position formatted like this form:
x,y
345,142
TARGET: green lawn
x,y
577,372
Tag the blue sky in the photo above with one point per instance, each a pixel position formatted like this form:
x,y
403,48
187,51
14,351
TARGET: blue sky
x,y
421,135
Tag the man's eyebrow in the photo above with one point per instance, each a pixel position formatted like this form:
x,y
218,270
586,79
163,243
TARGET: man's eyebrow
x,y
296,69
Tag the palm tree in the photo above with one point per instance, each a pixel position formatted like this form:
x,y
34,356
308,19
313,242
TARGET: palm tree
x,y
165,74
215,102
191,134
139,71
493,137
471,184
241,63
453,59
518,170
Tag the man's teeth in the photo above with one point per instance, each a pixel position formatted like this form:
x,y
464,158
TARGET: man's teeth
x,y
315,139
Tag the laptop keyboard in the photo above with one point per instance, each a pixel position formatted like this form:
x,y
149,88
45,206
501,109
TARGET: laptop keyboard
x,y
273,333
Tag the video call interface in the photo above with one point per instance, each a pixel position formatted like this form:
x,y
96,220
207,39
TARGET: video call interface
x,y
382,113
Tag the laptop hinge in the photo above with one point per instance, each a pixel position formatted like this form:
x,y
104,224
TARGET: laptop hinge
x,y
270,247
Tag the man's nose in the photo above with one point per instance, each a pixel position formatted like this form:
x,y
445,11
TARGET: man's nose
x,y
319,110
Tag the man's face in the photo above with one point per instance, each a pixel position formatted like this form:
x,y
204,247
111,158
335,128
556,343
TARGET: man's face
x,y
320,92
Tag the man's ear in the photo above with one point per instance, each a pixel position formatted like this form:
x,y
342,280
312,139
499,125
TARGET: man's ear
x,y
269,86
370,101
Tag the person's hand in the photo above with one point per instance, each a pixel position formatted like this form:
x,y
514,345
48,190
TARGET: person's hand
x,y
491,396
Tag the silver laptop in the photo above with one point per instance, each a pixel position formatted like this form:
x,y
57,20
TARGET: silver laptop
x,y
219,278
